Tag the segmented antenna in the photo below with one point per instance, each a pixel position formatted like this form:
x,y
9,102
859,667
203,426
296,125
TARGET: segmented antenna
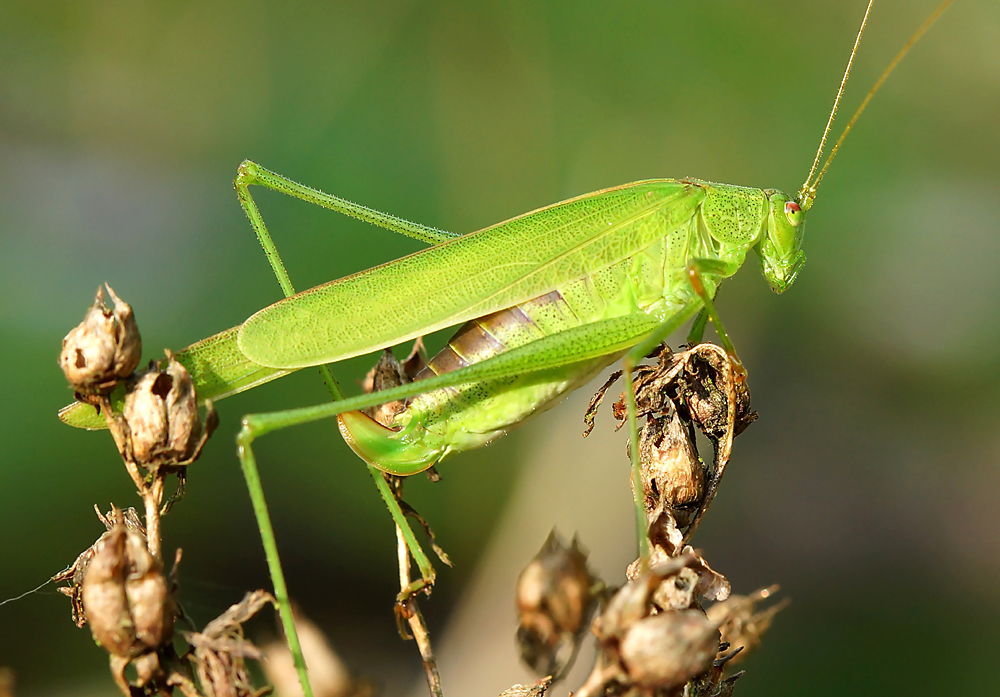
x,y
833,112
807,193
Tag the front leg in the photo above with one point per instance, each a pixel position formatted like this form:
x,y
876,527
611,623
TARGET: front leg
x,y
696,270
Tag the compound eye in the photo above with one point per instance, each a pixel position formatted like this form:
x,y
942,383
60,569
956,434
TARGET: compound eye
x,y
794,213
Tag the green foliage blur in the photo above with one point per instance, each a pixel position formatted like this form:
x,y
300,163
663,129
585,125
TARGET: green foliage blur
x,y
868,486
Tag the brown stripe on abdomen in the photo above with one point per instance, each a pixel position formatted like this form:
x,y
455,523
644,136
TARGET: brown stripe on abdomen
x,y
493,334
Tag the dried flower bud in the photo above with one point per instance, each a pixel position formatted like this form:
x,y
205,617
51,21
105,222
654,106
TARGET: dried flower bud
x,y
670,461
668,649
161,411
673,477
387,373
554,598
145,413
125,596
102,349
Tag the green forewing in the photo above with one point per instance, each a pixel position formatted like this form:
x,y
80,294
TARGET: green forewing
x,y
467,277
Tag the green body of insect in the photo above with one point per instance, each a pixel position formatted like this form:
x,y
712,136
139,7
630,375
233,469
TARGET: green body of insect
x,y
515,283
638,240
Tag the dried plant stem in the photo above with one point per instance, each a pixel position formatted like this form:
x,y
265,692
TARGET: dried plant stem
x,y
152,496
133,471
416,619
119,435
597,680
184,684
151,492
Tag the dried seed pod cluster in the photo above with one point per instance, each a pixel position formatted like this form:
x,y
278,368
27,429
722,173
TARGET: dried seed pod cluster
x,y
651,649
158,427
120,590
103,349
654,637
117,586
159,424
555,596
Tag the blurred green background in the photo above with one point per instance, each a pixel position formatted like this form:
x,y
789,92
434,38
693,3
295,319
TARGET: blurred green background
x,y
867,488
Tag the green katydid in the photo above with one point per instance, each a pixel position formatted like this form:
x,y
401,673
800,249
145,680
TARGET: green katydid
x,y
547,299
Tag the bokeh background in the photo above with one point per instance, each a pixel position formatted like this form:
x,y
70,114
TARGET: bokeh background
x,y
867,488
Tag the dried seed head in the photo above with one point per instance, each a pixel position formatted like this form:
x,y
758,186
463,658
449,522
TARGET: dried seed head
x,y
102,349
705,393
554,596
220,650
668,649
145,413
673,476
125,596
161,411
646,647
104,598
74,573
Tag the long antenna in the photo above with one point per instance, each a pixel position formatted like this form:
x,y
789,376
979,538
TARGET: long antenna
x,y
836,102
808,191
